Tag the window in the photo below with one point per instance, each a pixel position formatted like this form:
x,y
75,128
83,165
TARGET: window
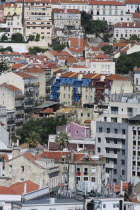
x,y
108,130
78,169
123,131
85,178
99,149
123,162
104,205
113,119
115,171
92,179
22,168
100,129
123,172
116,131
10,168
99,140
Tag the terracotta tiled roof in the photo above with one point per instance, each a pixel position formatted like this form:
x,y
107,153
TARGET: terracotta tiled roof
x,y
113,3
24,75
60,53
11,87
117,187
56,155
76,50
95,49
34,70
77,42
136,15
10,5
132,1
19,187
12,53
18,65
32,158
71,60
120,44
116,77
7,191
92,76
71,74
101,56
70,11
138,69
127,25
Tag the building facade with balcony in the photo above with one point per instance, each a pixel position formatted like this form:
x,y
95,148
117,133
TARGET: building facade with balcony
x,y
37,20
78,89
27,83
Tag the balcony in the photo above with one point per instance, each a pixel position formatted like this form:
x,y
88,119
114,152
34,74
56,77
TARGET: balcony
x,y
31,84
109,165
53,170
111,155
114,146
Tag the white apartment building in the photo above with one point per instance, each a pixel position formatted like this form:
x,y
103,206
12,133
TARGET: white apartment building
x,y
111,11
126,30
132,6
66,17
94,66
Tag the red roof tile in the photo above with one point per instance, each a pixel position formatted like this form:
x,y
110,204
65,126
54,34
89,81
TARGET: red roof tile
x,y
19,187
138,69
70,11
34,70
101,56
136,15
18,65
77,43
7,191
127,25
116,77
132,1
114,3
24,75
11,87
60,53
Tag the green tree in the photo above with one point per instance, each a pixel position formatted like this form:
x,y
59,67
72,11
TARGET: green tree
x,y
108,49
35,50
37,39
17,37
134,37
31,37
93,26
4,38
126,63
62,140
43,127
106,37
33,139
4,65
56,45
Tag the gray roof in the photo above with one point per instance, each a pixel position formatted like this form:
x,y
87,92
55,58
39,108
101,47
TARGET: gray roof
x,y
136,118
46,104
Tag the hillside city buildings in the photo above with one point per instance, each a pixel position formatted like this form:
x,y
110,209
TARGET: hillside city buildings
x,y
54,68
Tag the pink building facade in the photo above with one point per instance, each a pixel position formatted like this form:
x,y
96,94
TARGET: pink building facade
x,y
1,14
78,131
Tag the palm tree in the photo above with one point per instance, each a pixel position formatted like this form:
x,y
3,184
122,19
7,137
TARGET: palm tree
x,y
33,139
62,139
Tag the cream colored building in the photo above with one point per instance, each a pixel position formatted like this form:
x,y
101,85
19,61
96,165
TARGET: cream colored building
x,y
29,168
37,20
13,18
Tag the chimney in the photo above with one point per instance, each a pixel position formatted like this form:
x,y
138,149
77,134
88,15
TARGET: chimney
x,y
134,24
25,188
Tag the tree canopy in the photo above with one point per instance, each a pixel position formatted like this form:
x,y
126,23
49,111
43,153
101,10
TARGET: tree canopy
x,y
4,38
33,139
43,127
35,50
56,45
92,26
126,63
62,140
107,49
17,37
134,37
